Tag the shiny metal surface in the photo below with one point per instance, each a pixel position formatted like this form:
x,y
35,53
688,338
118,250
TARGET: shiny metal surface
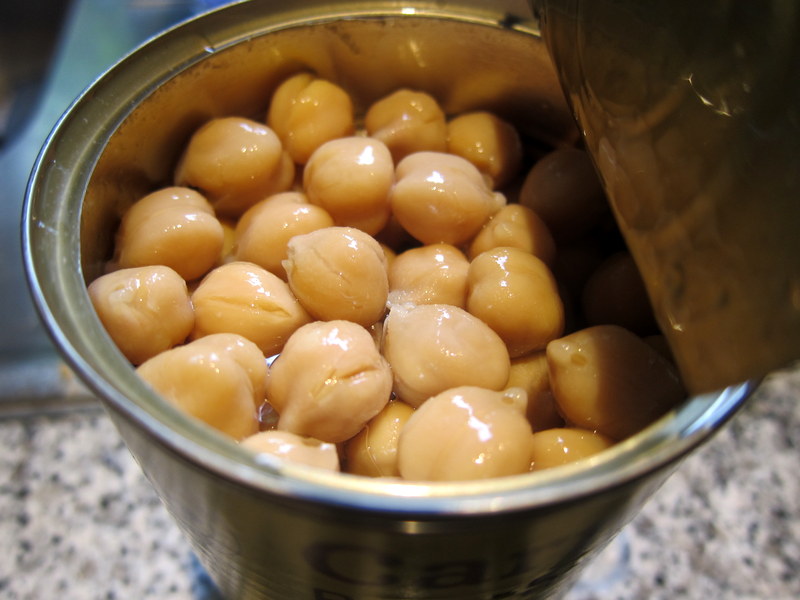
x,y
274,530
690,111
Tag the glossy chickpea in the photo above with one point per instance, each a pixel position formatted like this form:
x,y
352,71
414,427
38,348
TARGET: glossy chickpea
x,y
432,274
307,111
329,381
248,300
516,295
262,234
530,373
235,162
564,445
350,178
407,121
245,353
175,227
208,383
373,452
338,273
564,190
615,294
488,142
607,379
442,198
435,347
515,226
145,310
466,433
294,448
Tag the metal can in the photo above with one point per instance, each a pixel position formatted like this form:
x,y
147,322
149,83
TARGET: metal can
x,y
278,531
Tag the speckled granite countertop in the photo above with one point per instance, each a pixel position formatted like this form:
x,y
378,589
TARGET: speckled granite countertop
x,y
79,520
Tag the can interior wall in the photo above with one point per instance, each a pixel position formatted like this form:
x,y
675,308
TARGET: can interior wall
x,y
273,530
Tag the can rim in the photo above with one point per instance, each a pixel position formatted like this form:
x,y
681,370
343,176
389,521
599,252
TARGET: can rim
x,y
53,201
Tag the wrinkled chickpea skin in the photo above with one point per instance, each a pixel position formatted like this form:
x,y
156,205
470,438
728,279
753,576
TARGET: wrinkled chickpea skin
x,y
329,381
435,347
145,310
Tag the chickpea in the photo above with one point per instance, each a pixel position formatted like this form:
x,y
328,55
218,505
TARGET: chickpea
x,y
245,353
487,141
516,295
174,227
615,294
307,111
407,121
351,178
373,452
442,198
607,379
246,299
145,310
435,347
466,433
235,162
226,254
329,381
433,274
294,448
262,234
338,273
561,446
530,373
564,190
208,383
515,226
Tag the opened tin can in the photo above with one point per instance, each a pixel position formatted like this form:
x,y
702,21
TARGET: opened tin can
x,y
274,530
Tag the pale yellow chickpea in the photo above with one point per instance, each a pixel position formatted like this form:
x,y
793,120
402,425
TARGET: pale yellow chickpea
x,y
515,294
373,451
175,227
564,190
245,353
564,445
208,383
488,142
407,121
515,226
615,294
262,234
435,347
466,433
145,310
607,379
432,274
329,381
243,298
530,373
226,254
350,178
338,273
307,111
235,162
294,448
441,197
